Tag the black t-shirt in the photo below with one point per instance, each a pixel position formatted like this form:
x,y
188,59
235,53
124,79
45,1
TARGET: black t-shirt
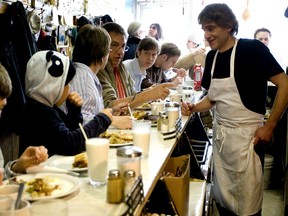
x,y
254,66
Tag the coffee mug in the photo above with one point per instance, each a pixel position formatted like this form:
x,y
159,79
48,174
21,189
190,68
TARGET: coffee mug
x,y
11,190
175,98
157,107
7,207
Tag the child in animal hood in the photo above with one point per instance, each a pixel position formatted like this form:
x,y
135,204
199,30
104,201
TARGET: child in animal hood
x,y
47,78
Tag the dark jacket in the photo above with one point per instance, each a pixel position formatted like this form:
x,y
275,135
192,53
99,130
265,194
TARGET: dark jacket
x,y
58,132
16,48
132,43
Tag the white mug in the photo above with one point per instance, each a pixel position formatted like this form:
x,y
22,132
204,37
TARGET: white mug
x,y
11,190
157,107
7,207
175,98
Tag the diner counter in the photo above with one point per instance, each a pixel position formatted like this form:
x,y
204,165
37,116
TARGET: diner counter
x,y
151,169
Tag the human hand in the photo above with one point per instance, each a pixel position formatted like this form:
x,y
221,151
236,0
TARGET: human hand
x,y
177,81
75,98
187,108
181,72
200,50
107,112
263,134
122,122
32,156
120,108
161,91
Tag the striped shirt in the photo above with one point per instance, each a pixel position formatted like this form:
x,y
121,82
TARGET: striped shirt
x,y
87,85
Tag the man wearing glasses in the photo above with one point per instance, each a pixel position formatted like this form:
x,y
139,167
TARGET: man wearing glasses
x,y
118,85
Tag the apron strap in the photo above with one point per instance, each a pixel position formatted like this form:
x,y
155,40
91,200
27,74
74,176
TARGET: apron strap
x,y
219,135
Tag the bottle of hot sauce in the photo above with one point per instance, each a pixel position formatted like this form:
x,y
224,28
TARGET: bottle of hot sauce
x,y
198,72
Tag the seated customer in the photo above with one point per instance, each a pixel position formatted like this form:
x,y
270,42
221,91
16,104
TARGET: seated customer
x,y
47,86
90,55
117,83
32,155
160,72
146,55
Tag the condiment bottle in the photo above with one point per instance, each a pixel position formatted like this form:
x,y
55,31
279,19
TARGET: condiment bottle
x,y
198,71
114,187
129,180
129,158
164,123
159,120
173,113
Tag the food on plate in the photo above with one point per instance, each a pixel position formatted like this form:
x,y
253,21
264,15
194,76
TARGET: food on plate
x,y
40,187
145,105
80,161
118,137
140,114
152,118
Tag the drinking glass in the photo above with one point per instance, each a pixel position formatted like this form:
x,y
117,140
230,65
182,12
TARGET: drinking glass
x,y
141,135
97,155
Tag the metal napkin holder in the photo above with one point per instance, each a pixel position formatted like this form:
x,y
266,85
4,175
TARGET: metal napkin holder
x,y
175,132
135,197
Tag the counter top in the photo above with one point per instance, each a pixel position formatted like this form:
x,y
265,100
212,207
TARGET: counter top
x,y
151,170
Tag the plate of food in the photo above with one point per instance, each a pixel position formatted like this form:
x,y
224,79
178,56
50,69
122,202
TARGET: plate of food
x,y
118,138
77,163
43,186
139,115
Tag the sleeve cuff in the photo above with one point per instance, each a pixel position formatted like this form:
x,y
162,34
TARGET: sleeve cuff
x,y
8,171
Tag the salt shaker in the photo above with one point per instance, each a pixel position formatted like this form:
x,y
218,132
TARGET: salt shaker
x,y
114,187
129,180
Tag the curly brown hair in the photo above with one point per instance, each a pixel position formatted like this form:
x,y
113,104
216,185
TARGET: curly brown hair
x,y
5,83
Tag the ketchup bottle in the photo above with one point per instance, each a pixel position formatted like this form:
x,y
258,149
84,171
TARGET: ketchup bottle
x,y
197,76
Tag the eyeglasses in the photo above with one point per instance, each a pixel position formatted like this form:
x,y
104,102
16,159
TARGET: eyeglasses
x,y
153,27
115,48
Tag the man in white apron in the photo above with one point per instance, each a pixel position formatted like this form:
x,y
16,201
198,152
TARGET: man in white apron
x,y
239,108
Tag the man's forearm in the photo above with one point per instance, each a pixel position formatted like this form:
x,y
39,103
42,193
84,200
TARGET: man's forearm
x,y
279,107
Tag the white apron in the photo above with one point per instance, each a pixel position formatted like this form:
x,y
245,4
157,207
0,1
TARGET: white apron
x,y
237,174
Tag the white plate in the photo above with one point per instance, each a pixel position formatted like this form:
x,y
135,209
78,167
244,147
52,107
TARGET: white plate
x,y
143,108
66,163
67,185
120,144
